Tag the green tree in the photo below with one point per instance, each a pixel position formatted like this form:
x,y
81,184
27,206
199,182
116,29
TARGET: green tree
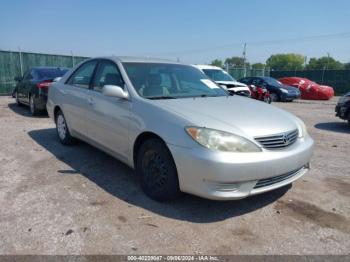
x,y
285,62
258,66
324,62
236,61
217,62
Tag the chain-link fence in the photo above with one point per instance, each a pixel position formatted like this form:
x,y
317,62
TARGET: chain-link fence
x,y
15,63
338,79
238,73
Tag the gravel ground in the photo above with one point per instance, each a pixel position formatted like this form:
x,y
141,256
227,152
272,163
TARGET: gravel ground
x,y
78,200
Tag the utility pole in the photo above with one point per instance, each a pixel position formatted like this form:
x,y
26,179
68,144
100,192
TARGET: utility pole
x,y
328,56
244,59
73,58
20,61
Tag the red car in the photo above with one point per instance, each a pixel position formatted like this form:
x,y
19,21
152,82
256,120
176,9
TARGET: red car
x,y
260,93
309,89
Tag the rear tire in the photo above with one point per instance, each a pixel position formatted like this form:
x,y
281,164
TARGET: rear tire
x,y
62,129
274,97
32,106
157,171
349,119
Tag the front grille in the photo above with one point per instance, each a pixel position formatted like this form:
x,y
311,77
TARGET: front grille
x,y
276,179
278,141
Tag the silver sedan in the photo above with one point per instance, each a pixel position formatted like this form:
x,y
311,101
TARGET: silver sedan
x,y
178,129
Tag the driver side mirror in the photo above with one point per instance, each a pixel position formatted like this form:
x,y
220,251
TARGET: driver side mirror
x,y
114,91
18,79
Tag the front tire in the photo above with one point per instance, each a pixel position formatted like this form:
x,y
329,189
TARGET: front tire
x,y
274,97
17,100
267,99
62,130
349,119
157,171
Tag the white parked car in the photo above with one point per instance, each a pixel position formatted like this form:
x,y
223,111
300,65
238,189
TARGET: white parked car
x,y
224,79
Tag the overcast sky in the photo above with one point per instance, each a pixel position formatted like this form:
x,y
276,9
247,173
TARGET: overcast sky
x,y
196,31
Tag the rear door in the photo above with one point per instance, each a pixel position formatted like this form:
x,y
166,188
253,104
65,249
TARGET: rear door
x,y
108,117
76,94
24,86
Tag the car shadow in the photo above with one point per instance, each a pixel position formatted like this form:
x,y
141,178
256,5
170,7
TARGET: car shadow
x,y
119,180
24,111
339,127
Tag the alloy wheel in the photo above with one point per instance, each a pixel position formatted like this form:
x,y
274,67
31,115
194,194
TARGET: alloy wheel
x,y
61,127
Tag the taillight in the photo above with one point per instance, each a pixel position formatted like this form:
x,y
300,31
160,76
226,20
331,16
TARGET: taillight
x,y
44,84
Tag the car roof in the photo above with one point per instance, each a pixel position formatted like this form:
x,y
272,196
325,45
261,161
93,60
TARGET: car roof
x,y
208,67
48,67
131,59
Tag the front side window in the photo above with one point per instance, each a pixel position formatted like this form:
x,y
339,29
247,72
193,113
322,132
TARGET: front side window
x,y
257,82
165,81
82,76
218,75
107,74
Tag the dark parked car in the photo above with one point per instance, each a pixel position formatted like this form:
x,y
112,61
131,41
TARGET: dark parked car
x,y
342,109
31,89
278,91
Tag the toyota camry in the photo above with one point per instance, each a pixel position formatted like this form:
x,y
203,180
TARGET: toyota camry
x,y
179,130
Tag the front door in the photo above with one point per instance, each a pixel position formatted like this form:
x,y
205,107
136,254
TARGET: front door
x,y
108,117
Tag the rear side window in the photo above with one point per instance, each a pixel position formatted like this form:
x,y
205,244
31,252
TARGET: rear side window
x,y
50,73
28,75
82,76
107,73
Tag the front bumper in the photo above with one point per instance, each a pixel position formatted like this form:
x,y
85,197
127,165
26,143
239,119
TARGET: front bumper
x,y
224,176
290,96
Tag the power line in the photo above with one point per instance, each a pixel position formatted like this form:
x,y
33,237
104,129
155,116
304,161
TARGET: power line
x,y
265,42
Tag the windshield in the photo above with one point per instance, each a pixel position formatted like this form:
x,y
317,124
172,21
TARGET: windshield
x,y
51,73
167,81
272,81
218,75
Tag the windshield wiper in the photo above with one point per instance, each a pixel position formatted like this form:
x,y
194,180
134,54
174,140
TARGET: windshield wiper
x,y
204,95
161,97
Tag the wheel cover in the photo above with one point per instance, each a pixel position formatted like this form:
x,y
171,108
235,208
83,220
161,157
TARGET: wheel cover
x,y
154,170
61,127
32,106
273,97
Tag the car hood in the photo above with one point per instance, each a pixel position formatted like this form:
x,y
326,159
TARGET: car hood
x,y
290,88
238,84
234,114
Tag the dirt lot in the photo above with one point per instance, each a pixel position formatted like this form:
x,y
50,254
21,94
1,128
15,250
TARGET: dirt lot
x,y
78,200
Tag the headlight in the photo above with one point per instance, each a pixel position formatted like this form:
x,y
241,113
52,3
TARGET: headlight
x,y
301,128
284,90
221,141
